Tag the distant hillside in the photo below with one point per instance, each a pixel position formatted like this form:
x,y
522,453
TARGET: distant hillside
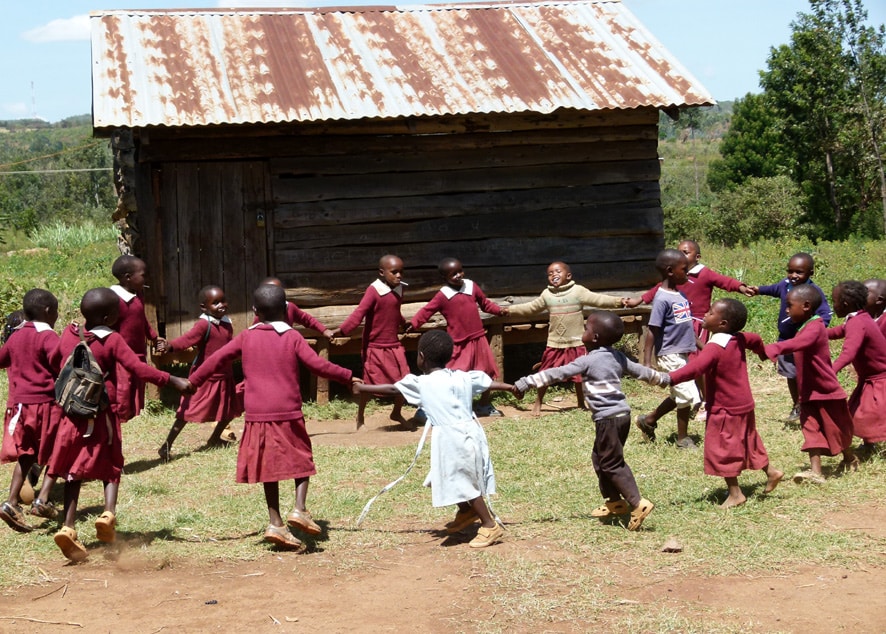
x,y
53,172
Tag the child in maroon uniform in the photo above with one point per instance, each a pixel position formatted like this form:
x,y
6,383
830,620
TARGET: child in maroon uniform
x,y
824,414
216,401
92,449
295,315
731,441
384,359
133,326
457,301
32,418
275,444
865,349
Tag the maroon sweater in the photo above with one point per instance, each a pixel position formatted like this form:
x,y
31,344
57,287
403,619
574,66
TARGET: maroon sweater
x,y
726,372
133,326
112,353
33,362
219,335
271,367
463,321
698,289
864,347
383,318
816,379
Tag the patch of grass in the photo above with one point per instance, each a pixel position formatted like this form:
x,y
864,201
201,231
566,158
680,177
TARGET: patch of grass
x,y
59,235
563,560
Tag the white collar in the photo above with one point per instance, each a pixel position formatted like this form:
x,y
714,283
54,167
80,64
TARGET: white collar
x,y
126,296
39,326
467,287
215,322
722,339
100,331
695,270
383,289
279,326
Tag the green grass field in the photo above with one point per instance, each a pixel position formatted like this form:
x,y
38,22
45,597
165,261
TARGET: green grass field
x,y
191,509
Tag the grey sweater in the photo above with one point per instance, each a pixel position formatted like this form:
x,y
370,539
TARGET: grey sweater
x,y
601,370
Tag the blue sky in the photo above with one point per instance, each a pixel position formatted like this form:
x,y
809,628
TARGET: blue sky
x,y
722,42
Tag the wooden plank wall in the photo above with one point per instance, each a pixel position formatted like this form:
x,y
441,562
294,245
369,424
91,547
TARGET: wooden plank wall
x,y
505,202
506,194
204,225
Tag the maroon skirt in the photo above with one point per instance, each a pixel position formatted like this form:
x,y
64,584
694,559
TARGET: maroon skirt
x,y
215,400
382,366
827,426
34,431
556,357
272,451
868,408
473,355
732,444
84,454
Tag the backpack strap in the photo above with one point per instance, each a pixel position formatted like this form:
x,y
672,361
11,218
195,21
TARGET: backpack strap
x,y
203,347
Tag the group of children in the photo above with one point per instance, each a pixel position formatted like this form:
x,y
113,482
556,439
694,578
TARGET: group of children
x,y
457,366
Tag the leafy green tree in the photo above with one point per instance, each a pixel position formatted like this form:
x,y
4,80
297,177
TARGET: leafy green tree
x,y
752,147
760,208
815,85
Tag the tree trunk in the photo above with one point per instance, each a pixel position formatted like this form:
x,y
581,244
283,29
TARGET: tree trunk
x,y
832,189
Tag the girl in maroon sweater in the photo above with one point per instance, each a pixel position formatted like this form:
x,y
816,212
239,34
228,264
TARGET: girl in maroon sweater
x,y
824,414
865,349
92,449
275,444
32,417
133,326
457,301
384,358
731,441
217,400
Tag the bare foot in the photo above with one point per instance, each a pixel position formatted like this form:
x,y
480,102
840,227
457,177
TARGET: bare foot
x,y
536,409
360,420
733,501
405,424
775,477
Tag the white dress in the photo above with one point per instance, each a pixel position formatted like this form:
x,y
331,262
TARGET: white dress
x,y
461,468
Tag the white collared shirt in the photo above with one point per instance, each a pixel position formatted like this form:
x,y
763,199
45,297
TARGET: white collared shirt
x,y
383,289
279,326
467,287
122,293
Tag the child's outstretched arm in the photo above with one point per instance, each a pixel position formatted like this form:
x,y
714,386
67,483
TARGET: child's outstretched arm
x,y
505,387
376,390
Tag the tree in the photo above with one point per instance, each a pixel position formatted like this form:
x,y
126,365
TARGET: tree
x,y
752,147
820,120
759,208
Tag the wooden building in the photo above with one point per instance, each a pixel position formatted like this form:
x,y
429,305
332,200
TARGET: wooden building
x,y
307,143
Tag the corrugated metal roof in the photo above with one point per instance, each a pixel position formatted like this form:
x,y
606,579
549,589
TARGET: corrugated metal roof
x,y
191,67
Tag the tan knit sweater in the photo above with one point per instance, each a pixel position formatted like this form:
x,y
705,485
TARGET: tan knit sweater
x,y
565,305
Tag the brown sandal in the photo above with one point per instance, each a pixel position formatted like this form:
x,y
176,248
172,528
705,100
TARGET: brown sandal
x,y
639,514
280,536
617,507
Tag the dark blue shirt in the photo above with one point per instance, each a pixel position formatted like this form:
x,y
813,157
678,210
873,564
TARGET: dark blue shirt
x,y
786,328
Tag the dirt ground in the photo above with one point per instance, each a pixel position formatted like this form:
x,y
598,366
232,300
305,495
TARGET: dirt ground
x,y
423,586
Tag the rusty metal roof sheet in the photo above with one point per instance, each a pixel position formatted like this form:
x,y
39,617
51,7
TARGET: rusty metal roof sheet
x,y
193,67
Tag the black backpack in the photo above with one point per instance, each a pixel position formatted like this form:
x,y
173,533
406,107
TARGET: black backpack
x,y
80,387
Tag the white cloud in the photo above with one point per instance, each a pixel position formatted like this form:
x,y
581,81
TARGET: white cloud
x,y
67,29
